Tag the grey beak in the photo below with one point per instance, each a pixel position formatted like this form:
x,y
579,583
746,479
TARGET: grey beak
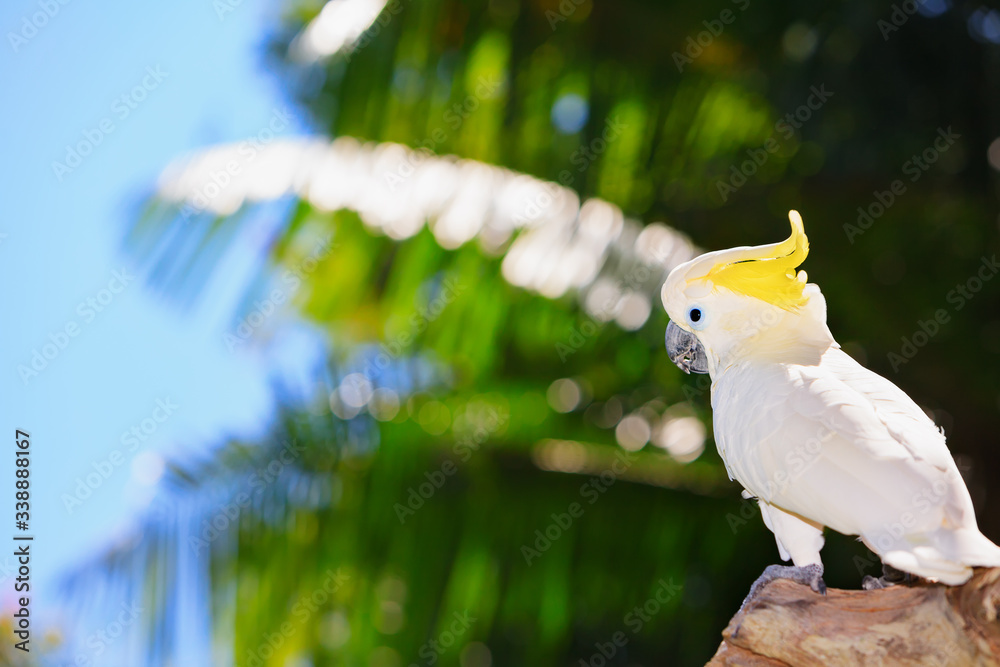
x,y
685,350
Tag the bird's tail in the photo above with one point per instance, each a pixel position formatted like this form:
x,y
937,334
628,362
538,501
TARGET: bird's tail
x,y
946,555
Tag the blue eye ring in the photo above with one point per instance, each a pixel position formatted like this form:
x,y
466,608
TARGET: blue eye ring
x,y
696,317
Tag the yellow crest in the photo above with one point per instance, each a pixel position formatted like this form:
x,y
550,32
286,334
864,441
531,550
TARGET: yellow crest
x,y
769,273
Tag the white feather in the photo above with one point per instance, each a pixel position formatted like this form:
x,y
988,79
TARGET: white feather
x,y
833,444
816,437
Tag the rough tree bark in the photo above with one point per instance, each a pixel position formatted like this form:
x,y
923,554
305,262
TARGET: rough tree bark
x,y
925,624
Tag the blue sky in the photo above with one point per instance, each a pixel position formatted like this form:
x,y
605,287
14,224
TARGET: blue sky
x,y
203,81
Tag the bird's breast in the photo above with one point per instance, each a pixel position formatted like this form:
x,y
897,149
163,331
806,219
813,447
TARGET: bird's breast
x,y
750,417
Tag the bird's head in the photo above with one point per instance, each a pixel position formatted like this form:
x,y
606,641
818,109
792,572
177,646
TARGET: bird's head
x,y
747,300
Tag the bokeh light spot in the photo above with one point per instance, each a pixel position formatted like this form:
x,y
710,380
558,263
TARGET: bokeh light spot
x,y
993,154
635,310
355,390
476,654
984,25
384,404
384,656
570,113
632,432
799,42
682,435
335,630
434,417
564,395
932,8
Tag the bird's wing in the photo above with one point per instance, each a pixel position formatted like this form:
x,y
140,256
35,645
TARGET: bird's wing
x,y
883,463
837,444
870,410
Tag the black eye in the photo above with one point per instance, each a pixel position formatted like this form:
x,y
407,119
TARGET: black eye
x,y
694,315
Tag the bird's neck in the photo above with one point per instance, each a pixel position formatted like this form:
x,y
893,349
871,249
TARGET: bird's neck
x,y
800,337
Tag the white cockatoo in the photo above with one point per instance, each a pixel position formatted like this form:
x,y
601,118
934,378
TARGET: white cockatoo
x,y
817,438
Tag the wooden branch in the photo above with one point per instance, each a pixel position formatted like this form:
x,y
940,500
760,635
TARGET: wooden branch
x,y
926,624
